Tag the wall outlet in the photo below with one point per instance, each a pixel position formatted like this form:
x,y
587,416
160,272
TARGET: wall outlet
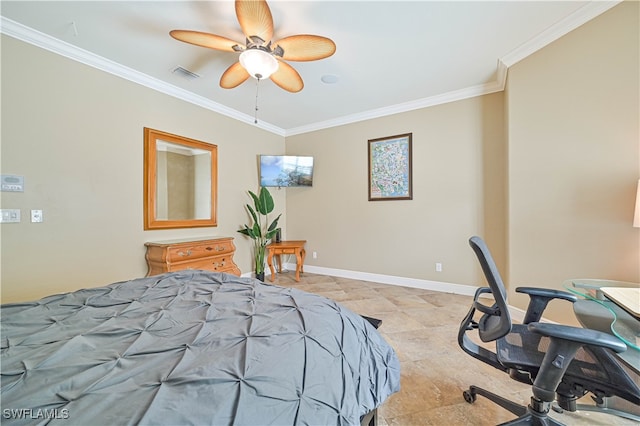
x,y
36,216
438,267
315,255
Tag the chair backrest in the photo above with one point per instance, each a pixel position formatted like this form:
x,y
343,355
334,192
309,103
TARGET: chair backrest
x,y
496,321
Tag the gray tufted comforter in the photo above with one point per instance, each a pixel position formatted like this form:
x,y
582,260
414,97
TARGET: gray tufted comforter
x,y
191,347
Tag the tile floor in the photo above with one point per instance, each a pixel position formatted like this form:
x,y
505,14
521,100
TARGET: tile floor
x,y
422,327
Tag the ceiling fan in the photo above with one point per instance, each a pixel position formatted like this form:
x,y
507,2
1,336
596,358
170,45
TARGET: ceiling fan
x,y
260,56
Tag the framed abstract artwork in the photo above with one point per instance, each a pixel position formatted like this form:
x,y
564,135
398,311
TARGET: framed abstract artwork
x,y
390,175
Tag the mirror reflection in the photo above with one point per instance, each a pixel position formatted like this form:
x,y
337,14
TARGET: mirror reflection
x,y
183,182
180,181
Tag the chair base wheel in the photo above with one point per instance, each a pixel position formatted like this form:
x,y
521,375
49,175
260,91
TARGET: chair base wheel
x,y
469,396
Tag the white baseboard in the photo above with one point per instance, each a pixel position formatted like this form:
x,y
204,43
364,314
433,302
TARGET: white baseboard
x,y
517,314
466,290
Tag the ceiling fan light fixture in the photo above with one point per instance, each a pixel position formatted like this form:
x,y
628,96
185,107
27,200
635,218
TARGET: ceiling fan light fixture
x,y
261,56
258,63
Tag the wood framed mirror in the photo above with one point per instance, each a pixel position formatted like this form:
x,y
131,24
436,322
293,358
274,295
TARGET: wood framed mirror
x,y
180,181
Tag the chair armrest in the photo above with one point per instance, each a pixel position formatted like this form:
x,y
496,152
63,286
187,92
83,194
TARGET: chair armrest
x,y
539,298
548,292
563,346
584,336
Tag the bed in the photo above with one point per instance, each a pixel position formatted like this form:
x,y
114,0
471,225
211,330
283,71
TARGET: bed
x,y
191,347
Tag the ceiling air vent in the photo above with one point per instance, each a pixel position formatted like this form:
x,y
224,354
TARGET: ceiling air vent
x,y
185,73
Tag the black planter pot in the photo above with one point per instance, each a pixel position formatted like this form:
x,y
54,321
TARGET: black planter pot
x,y
260,276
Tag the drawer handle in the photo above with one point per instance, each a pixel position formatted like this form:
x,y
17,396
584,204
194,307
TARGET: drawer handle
x,y
218,248
218,265
180,253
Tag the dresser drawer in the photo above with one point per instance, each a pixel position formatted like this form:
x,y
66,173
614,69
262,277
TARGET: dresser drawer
x,y
286,251
195,251
215,264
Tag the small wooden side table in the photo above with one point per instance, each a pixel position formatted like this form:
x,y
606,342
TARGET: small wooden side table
x,y
286,247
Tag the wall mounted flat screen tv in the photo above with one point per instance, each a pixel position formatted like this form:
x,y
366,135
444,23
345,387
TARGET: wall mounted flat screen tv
x,y
286,171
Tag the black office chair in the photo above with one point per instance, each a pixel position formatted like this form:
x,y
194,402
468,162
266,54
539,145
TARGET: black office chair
x,y
562,363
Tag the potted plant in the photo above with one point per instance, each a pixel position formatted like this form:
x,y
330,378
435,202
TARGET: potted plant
x,y
261,231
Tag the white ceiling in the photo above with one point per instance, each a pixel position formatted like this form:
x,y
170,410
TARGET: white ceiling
x,y
391,56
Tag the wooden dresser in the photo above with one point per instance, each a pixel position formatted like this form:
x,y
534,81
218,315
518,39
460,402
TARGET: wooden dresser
x,y
211,254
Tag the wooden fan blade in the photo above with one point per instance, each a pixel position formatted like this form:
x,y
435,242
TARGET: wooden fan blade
x,y
255,18
234,76
306,47
211,41
287,78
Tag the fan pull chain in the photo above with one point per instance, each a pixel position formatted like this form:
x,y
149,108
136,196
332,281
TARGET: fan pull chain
x,y
255,117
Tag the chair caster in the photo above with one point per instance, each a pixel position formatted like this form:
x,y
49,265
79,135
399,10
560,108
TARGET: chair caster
x,y
469,396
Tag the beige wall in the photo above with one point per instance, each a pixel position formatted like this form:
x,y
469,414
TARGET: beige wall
x,y
574,156
458,164
76,135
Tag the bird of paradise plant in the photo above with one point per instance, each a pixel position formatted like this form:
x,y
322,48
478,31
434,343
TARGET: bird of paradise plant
x,y
261,231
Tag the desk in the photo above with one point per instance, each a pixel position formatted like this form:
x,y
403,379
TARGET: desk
x,y
295,247
598,313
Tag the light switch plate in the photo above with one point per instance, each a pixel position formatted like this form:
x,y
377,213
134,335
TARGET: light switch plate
x,y
10,215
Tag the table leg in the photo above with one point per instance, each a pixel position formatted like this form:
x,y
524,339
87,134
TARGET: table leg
x,y
298,264
303,255
270,263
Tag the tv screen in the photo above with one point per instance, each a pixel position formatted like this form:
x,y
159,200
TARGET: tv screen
x,y
286,170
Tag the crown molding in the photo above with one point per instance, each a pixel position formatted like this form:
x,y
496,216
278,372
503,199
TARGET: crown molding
x,y
568,24
573,21
44,41
563,27
444,98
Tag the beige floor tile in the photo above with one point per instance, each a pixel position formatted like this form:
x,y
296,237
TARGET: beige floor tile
x,y
370,307
409,302
398,322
